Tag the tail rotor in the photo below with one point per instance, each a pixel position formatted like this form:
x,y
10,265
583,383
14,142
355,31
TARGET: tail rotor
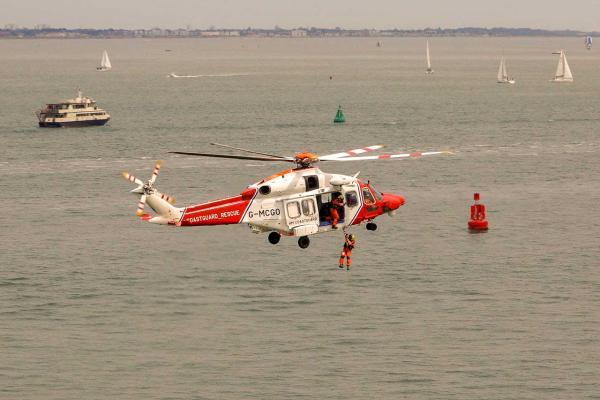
x,y
155,172
147,189
140,210
132,178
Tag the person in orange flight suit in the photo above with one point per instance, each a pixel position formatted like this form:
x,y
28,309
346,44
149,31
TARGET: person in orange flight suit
x,y
336,205
349,243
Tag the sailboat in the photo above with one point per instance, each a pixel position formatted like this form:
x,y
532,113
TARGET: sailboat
x,y
563,72
105,64
428,70
502,74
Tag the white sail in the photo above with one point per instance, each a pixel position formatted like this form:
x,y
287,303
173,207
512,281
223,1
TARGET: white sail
x,y
501,70
429,70
428,57
503,74
563,72
560,68
105,63
567,75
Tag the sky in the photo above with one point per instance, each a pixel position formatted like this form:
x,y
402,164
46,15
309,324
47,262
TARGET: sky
x,y
352,14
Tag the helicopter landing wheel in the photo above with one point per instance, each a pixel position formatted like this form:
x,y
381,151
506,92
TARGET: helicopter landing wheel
x,y
371,226
274,237
303,242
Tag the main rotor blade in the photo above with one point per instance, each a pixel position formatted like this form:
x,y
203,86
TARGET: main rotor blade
x,y
250,151
387,156
232,156
354,152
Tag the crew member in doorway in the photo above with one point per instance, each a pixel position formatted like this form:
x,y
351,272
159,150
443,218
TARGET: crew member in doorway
x,y
337,205
349,243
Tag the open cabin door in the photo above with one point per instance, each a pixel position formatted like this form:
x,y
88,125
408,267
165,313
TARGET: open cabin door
x,y
302,216
352,202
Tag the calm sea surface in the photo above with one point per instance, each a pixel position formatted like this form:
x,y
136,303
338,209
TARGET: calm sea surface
x,y
95,304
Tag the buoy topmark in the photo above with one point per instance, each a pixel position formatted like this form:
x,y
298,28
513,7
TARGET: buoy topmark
x,y
477,221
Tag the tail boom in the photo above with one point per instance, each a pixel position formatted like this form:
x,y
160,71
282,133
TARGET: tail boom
x,y
220,212
167,214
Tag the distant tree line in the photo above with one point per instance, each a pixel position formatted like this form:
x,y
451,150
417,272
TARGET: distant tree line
x,y
44,31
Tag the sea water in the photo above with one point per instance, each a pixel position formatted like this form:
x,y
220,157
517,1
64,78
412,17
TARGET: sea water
x,y
96,304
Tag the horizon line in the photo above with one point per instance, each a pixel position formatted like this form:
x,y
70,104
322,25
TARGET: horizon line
x,y
15,27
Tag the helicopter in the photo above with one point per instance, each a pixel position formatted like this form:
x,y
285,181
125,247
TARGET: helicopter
x,y
295,202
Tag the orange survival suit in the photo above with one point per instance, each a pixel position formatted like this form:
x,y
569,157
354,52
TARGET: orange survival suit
x,y
349,243
336,205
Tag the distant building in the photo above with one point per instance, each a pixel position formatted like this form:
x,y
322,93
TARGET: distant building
x,y
181,33
299,33
155,32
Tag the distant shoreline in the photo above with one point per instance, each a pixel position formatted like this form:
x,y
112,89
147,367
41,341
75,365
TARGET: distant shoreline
x,y
43,32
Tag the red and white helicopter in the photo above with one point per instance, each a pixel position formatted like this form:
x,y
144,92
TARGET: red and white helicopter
x,y
293,202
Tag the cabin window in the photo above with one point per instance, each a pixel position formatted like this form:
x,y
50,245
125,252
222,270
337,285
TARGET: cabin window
x,y
369,199
308,207
351,199
293,209
312,182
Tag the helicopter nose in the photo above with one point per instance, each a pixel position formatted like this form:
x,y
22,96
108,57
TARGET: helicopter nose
x,y
393,201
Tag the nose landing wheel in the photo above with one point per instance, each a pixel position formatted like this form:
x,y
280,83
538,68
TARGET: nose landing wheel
x,y
303,242
274,237
371,226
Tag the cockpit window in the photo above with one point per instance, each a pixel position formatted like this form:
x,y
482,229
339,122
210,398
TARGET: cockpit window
x,y
377,193
369,199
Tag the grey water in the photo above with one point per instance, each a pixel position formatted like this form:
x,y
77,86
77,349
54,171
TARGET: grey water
x,y
96,304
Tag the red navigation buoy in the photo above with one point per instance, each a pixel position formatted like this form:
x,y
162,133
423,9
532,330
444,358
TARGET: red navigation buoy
x,y
477,221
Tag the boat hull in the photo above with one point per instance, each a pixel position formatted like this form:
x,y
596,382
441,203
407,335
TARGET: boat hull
x,y
73,124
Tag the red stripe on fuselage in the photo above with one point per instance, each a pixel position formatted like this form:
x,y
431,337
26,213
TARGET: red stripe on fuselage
x,y
219,212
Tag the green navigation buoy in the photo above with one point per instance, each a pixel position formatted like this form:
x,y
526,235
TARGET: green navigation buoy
x,y
339,116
